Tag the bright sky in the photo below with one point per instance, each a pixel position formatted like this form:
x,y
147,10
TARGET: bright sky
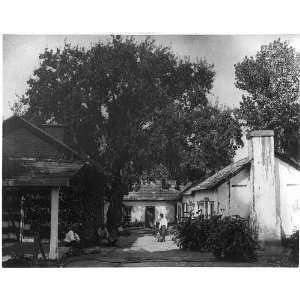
x,y
20,53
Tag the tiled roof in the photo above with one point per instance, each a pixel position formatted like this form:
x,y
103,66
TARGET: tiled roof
x,y
219,177
152,192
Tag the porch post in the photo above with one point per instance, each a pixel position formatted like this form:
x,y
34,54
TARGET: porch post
x,y
53,252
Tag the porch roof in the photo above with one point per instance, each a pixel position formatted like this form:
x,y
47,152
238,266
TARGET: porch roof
x,y
32,172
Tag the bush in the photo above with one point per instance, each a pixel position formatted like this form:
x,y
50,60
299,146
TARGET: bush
x,y
292,243
229,237
193,233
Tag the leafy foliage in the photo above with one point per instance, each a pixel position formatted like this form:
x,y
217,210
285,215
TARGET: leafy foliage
x,y
271,80
292,243
193,233
232,238
133,107
226,237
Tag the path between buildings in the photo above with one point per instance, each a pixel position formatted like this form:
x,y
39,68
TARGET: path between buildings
x,y
140,249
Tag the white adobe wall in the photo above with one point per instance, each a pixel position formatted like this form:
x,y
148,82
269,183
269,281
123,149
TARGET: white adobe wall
x,y
240,194
231,197
262,177
288,182
161,207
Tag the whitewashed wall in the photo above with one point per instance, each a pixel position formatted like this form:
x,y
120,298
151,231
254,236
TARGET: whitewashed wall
x,y
289,189
240,195
230,198
138,210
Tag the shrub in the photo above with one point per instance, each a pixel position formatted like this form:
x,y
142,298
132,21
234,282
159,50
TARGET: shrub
x,y
292,243
231,238
193,233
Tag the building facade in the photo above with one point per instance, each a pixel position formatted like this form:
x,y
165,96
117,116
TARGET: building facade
x,y
145,205
36,167
263,187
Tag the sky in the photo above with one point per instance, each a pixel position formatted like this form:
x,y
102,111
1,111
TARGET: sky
x,y
21,57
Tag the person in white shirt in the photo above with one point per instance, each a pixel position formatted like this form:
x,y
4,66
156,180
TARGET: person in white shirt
x,y
71,236
72,240
163,225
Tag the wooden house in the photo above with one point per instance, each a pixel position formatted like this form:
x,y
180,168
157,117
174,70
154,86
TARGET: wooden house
x,y
38,164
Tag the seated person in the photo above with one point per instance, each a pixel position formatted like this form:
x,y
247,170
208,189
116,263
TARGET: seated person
x,y
104,235
72,238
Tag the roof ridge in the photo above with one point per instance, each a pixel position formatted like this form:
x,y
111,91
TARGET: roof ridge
x,y
51,137
238,164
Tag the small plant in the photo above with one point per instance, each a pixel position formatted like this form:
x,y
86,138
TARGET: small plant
x,y
292,243
231,238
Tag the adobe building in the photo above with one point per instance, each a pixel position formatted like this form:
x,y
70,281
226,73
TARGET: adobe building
x,y
145,205
263,187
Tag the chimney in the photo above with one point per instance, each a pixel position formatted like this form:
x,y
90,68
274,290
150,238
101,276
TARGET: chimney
x,y
57,131
262,180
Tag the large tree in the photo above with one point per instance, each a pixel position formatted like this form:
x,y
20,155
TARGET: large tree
x,y
271,80
194,142
128,105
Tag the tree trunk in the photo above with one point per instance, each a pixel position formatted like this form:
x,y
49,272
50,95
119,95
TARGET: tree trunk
x,y
36,247
114,213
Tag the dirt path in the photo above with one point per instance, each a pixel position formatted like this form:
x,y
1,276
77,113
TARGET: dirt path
x,y
141,249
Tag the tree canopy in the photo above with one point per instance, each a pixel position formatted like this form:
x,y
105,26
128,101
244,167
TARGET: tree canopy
x,y
271,82
133,106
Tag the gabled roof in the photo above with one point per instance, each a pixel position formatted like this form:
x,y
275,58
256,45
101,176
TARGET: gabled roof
x,y
153,192
288,160
15,122
219,177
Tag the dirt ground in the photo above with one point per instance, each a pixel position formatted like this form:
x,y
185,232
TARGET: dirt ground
x,y
141,249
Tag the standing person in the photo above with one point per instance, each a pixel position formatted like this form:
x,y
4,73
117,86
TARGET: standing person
x,y
163,225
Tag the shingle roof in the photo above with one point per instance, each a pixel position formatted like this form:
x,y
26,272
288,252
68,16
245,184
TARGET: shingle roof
x,y
152,192
219,177
15,121
42,173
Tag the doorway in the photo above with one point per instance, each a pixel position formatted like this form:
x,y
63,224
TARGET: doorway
x,y
150,216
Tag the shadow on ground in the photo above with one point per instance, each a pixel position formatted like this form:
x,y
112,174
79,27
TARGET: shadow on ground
x,y
141,249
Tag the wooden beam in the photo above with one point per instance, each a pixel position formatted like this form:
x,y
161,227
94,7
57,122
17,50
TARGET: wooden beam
x,y
53,252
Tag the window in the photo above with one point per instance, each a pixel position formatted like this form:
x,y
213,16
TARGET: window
x,y
127,214
191,206
212,208
200,207
206,206
186,212
179,212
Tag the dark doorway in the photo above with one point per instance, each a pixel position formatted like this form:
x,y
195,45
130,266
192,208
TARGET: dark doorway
x,y
149,216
